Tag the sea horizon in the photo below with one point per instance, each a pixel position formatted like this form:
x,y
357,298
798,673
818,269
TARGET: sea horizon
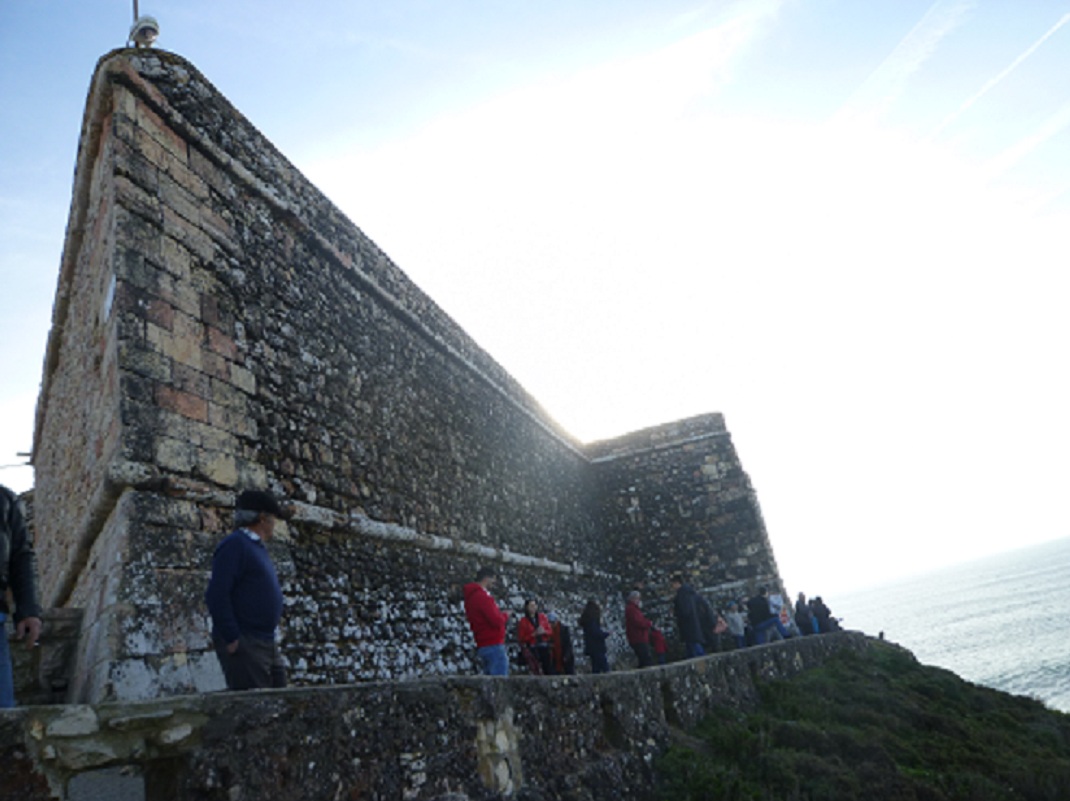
x,y
974,618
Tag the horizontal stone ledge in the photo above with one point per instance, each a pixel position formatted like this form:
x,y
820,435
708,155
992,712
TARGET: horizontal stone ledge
x,y
632,450
366,526
149,478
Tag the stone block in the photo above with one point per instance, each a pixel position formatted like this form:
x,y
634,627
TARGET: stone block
x,y
218,228
73,721
183,403
160,313
150,124
236,423
178,199
188,233
212,174
215,365
225,394
175,258
137,200
222,344
252,474
222,468
180,172
242,378
174,455
187,379
213,439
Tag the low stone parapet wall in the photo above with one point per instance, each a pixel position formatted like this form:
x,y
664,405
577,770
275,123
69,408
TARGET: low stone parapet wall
x,y
581,737
44,673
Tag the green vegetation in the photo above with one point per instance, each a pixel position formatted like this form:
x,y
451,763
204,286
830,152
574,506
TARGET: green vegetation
x,y
877,726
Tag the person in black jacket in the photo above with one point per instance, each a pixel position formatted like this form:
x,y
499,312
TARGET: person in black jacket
x,y
688,622
825,621
804,617
594,636
18,573
762,617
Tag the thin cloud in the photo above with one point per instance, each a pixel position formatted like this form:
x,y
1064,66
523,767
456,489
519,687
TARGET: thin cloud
x,y
998,78
1054,125
889,80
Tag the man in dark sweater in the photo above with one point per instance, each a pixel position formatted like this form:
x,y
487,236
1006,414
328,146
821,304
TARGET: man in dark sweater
x,y
244,597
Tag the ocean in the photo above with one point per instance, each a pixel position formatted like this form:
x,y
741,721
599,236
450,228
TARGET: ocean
x,y
998,621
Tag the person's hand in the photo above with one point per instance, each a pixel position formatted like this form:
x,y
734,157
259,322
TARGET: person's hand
x,y
29,626
232,647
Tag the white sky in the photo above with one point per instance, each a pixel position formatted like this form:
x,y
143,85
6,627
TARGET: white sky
x,y
843,223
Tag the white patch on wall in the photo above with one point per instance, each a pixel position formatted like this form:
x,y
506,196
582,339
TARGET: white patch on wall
x,y
109,300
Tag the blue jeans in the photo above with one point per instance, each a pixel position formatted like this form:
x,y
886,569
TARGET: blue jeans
x,y
7,682
765,625
494,660
694,649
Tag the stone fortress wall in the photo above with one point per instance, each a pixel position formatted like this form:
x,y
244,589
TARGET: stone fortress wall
x,y
218,325
459,738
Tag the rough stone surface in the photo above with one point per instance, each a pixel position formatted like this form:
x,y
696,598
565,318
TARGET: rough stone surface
x,y
584,738
43,675
219,325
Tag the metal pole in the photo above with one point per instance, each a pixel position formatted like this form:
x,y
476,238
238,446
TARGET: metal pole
x,y
136,15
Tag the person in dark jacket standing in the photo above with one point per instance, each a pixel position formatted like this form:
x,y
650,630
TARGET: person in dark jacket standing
x,y
804,618
762,618
688,622
594,636
823,615
487,622
244,597
18,573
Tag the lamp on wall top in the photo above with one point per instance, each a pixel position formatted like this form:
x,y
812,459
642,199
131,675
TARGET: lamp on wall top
x,y
144,31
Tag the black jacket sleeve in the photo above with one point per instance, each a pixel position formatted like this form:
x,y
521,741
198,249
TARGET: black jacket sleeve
x,y
20,571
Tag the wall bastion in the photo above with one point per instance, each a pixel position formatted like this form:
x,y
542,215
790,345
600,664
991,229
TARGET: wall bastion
x,y
218,325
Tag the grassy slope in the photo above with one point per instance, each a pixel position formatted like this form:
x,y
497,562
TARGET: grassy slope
x,y
875,726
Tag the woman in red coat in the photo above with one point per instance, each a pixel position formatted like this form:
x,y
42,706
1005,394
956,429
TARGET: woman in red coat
x,y
533,632
637,628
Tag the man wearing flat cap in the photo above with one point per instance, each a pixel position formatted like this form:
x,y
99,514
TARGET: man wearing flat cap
x,y
244,597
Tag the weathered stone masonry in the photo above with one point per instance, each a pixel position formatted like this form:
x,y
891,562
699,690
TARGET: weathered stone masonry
x,y
219,324
583,738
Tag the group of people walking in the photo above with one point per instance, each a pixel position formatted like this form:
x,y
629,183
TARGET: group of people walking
x,y
544,643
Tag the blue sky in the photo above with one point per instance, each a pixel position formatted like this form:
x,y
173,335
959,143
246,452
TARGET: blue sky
x,y
840,222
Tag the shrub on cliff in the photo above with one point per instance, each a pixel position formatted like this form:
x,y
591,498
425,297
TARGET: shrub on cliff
x,y
877,726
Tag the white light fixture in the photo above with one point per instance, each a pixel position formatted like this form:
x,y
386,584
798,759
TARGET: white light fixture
x,y
144,31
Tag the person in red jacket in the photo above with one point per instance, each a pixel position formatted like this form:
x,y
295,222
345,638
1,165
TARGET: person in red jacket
x,y
487,622
637,629
534,633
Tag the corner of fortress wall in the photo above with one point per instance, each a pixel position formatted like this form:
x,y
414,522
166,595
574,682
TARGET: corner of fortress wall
x,y
219,324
